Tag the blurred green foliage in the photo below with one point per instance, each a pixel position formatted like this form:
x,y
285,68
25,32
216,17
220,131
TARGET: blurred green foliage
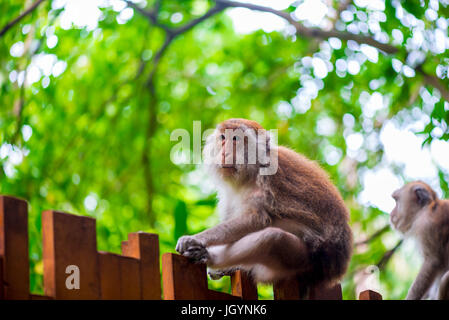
x,y
84,133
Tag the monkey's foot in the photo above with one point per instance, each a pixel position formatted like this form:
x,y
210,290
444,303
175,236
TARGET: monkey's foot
x,y
216,274
198,254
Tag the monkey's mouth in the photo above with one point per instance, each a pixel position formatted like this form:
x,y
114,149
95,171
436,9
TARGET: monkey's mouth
x,y
397,225
393,222
227,166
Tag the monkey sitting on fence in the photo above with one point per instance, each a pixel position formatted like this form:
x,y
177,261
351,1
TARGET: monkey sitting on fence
x,y
277,224
421,215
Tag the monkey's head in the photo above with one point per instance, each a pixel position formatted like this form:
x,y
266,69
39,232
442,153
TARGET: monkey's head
x,y
411,199
237,149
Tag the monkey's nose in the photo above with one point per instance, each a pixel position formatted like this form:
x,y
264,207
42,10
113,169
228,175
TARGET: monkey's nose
x,y
227,160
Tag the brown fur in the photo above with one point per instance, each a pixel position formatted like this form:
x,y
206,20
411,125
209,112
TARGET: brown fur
x,y
291,223
302,191
420,214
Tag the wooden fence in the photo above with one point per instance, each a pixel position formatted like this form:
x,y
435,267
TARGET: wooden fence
x,y
71,240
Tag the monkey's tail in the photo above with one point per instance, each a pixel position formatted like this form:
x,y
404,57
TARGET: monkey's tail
x,y
443,293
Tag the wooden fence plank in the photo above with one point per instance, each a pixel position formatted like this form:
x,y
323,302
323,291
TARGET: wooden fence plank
x,y
370,295
129,278
326,293
14,247
182,279
243,286
145,247
109,275
185,280
216,295
119,277
70,240
288,290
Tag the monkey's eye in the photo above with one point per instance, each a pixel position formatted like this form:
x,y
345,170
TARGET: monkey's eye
x,y
235,138
222,137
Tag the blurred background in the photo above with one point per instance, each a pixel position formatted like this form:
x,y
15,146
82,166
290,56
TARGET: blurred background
x,y
90,91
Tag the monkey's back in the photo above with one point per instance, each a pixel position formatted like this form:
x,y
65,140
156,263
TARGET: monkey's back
x,y
306,185
436,238
302,191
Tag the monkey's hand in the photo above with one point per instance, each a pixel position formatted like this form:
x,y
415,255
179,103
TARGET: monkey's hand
x,y
193,249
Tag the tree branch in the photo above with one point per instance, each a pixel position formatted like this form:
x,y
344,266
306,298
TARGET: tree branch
x,y
157,58
344,4
307,32
150,15
314,32
387,256
170,35
375,235
435,82
19,105
214,10
13,22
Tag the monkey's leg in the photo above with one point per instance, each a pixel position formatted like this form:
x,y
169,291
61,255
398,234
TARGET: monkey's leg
x,y
270,247
423,281
216,274
226,232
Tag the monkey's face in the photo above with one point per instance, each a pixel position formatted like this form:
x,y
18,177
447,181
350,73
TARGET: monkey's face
x,y
402,214
235,150
410,200
238,151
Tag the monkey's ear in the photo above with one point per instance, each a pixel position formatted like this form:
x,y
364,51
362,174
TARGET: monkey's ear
x,y
423,195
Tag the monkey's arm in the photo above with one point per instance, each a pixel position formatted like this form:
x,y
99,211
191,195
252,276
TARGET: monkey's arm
x,y
226,232
423,281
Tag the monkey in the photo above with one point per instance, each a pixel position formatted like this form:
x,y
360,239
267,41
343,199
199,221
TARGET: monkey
x,y
287,222
421,215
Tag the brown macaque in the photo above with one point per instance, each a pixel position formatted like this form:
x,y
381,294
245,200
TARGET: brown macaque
x,y
282,217
421,215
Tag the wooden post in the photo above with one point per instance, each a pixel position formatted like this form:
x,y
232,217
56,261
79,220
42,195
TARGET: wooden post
x,y
216,295
119,277
370,295
182,279
109,275
288,290
326,293
185,280
129,279
243,286
145,248
70,240
14,247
